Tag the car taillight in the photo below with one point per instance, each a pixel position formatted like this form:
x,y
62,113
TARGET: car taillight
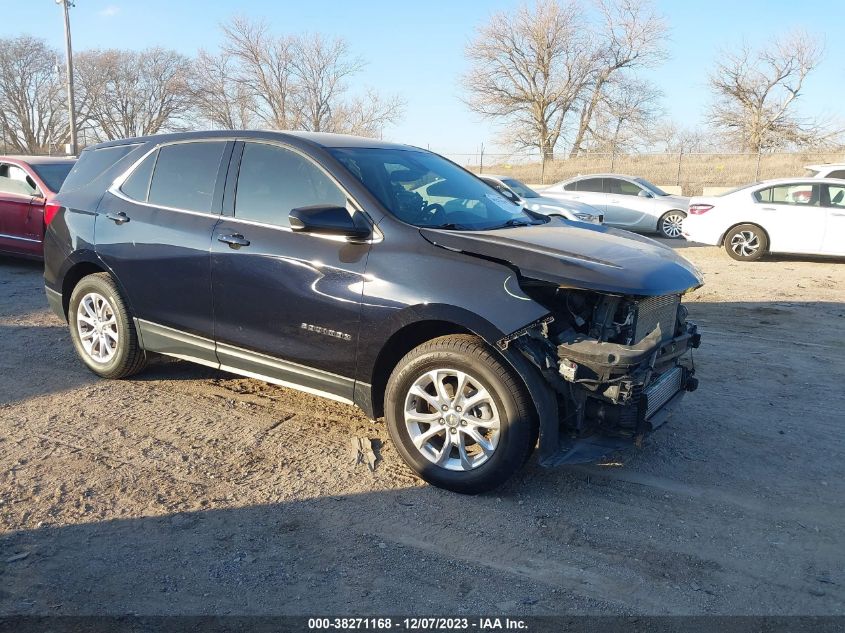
x,y
698,209
50,211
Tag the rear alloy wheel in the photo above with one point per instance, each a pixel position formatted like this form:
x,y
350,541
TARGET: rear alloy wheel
x,y
458,415
102,328
671,224
746,242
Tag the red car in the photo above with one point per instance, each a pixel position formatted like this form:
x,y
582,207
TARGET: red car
x,y
27,187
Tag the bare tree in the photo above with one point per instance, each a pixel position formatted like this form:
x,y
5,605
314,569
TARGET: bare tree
x,y
667,136
133,93
33,114
625,116
265,70
218,98
630,36
321,67
754,92
301,82
367,115
528,70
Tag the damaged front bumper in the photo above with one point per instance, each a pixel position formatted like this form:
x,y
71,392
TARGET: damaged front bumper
x,y
606,396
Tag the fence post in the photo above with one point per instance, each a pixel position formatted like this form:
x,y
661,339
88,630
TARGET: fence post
x,y
613,161
757,170
543,169
680,157
481,160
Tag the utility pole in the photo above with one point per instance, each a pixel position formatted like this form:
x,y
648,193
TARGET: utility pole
x,y
71,105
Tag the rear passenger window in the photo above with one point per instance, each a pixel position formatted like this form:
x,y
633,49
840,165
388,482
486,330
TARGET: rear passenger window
x,y
798,194
622,187
594,185
138,184
839,173
185,175
272,181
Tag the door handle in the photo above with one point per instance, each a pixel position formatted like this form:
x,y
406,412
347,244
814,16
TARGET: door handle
x,y
118,218
234,241
769,209
839,215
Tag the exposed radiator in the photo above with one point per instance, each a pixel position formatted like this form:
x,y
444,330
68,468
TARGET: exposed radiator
x,y
656,311
661,390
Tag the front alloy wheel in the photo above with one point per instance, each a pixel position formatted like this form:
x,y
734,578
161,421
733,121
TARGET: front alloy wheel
x,y
671,224
452,419
459,415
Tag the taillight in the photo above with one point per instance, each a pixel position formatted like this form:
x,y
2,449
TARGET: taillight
x,y
50,211
698,209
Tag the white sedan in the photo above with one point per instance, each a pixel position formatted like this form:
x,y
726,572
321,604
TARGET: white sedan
x,y
767,217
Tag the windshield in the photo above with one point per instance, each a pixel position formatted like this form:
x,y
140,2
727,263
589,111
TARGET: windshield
x,y
425,189
521,189
653,188
53,174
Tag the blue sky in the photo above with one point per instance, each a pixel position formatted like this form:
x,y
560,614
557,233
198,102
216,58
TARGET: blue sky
x,y
416,48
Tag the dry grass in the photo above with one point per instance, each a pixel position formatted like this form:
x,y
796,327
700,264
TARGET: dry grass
x,y
690,171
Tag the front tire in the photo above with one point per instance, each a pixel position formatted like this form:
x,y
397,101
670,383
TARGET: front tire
x,y
102,328
670,224
458,415
746,243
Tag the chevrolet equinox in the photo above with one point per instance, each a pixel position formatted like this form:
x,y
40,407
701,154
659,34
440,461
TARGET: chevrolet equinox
x,y
379,275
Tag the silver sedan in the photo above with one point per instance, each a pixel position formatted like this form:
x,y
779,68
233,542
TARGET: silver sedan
x,y
626,202
533,201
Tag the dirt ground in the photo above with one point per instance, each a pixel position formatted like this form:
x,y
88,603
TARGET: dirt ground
x,y
190,491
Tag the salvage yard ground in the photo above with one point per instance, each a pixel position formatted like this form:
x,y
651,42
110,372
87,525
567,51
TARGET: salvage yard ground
x,y
191,491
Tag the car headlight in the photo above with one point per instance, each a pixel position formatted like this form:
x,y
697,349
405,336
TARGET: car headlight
x,y
587,217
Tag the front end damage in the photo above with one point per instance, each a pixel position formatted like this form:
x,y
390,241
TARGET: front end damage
x,y
617,366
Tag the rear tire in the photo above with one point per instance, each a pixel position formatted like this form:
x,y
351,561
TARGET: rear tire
x,y
458,415
669,225
102,328
746,243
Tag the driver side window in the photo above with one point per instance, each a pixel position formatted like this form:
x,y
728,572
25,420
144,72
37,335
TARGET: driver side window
x,y
273,181
15,180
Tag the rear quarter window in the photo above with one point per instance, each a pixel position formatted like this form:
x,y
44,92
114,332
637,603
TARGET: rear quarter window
x,y
185,175
93,162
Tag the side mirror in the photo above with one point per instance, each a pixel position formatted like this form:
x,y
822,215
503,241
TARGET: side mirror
x,y
38,201
328,220
645,194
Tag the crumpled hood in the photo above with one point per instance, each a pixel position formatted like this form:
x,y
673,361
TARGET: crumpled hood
x,y
576,255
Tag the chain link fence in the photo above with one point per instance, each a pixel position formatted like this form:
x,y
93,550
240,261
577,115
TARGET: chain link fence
x,y
688,174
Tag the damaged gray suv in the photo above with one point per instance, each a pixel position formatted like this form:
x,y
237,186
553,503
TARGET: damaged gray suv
x,y
378,275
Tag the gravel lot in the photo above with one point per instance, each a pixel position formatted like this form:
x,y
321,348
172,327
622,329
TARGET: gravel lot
x,y
191,491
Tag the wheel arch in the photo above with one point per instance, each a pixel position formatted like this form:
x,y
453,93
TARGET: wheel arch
x,y
414,327
87,264
397,345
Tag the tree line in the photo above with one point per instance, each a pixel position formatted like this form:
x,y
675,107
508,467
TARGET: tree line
x,y
569,76
558,76
255,79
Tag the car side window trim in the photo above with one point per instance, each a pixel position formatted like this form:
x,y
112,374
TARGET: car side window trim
x,y
217,196
231,188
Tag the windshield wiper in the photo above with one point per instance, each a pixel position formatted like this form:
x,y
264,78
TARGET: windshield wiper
x,y
514,222
448,226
